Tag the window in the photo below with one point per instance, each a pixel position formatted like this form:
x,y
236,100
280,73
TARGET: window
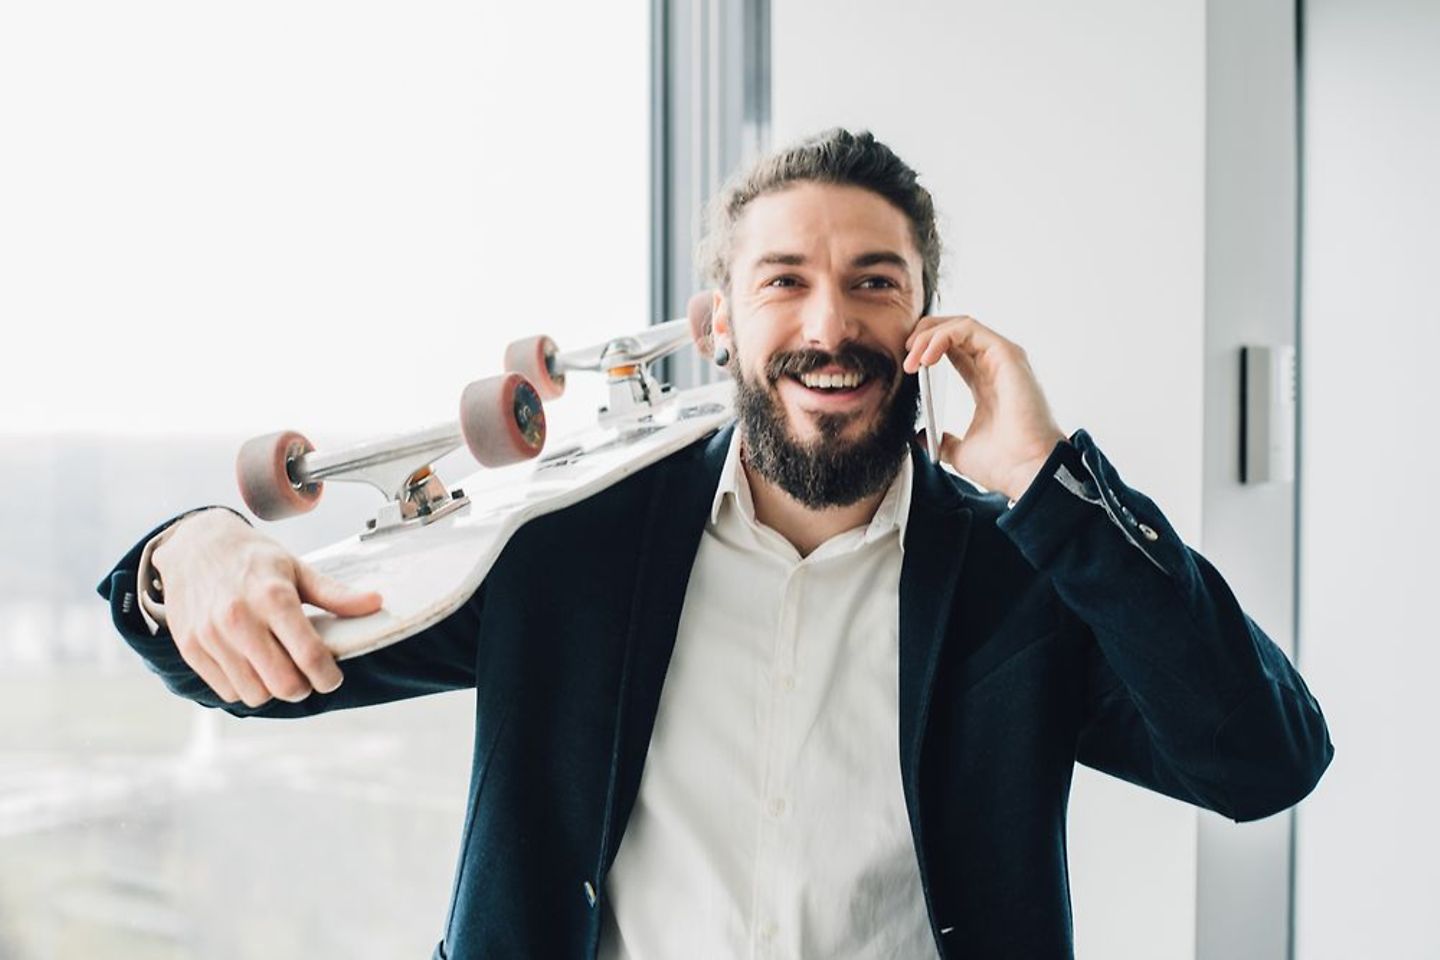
x,y
223,220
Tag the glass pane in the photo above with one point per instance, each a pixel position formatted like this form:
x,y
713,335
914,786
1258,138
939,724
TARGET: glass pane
x,y
223,220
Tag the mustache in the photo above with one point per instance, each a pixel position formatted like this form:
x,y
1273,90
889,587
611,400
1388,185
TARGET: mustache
x,y
851,358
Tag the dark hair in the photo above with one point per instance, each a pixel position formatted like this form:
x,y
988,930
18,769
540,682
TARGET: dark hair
x,y
836,156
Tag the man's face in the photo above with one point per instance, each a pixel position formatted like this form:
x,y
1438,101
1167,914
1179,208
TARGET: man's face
x,y
825,287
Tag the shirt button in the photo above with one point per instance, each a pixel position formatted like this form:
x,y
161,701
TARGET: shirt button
x,y
777,807
787,682
768,931
1148,533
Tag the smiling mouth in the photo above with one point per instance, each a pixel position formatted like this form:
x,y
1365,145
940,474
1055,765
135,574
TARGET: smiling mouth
x,y
831,382
827,394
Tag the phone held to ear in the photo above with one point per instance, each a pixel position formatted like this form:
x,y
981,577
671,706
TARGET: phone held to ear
x,y
927,412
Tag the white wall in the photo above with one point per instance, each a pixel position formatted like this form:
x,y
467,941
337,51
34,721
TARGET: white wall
x,y
1065,147
1369,839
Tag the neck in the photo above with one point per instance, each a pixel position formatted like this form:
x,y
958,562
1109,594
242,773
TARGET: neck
x,y
804,526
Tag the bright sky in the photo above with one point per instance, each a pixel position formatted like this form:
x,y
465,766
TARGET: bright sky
x,y
311,215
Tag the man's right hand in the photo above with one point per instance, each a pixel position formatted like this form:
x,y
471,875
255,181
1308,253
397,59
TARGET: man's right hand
x,y
232,603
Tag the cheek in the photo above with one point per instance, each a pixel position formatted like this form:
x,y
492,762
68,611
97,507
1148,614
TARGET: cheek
x,y
753,353
753,369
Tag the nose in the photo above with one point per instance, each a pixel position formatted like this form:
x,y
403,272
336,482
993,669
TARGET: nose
x,y
825,324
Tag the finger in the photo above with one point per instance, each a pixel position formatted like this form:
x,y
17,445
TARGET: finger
x,y
966,333
303,644
938,346
330,594
929,325
243,678
969,372
207,669
964,362
925,324
919,347
931,349
250,635
974,338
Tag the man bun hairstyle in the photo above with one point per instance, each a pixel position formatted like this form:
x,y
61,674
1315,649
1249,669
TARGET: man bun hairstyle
x,y
835,156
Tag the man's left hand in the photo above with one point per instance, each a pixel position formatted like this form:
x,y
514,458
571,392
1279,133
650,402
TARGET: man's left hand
x,y
1013,431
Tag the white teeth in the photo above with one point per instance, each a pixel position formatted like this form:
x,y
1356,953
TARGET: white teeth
x,y
831,381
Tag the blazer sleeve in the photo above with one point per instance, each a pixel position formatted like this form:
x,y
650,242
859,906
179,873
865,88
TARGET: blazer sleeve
x,y
440,658
1184,693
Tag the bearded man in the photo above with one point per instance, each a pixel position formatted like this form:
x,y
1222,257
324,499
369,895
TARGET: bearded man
x,y
796,690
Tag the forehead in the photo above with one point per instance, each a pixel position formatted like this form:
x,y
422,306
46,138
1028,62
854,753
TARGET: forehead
x,y
812,217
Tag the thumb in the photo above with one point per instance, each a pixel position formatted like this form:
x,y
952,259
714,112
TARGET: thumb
x,y
327,593
950,450
949,445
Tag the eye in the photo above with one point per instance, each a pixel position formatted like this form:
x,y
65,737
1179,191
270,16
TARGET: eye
x,y
784,280
884,283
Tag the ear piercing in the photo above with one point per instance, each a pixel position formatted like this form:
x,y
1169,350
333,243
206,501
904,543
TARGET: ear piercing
x,y
722,356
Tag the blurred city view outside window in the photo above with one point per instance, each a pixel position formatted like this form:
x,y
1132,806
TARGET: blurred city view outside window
x,y
224,220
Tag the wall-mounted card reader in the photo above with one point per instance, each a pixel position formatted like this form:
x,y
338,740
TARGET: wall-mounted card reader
x,y
1267,414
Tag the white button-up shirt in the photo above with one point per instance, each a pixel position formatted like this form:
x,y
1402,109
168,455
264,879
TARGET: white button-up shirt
x,y
771,819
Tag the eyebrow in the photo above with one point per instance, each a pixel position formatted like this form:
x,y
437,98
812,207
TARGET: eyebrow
x,y
871,259
877,257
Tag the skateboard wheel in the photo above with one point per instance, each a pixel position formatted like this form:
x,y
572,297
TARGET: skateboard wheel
x,y
263,472
502,420
697,311
534,359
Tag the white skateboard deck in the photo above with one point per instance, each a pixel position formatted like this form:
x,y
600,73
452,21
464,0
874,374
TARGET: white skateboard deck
x,y
425,573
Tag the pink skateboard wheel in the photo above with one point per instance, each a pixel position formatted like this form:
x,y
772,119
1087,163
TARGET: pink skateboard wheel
x,y
502,420
697,311
534,359
262,470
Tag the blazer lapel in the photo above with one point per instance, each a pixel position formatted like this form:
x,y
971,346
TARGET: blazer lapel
x,y
679,507
936,537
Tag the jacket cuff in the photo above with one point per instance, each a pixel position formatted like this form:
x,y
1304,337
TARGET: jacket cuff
x,y
133,586
1076,485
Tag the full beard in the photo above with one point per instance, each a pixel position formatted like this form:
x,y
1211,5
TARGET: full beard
x,y
828,471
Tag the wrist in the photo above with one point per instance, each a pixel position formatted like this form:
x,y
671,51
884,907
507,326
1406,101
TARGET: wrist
x,y
1024,478
205,519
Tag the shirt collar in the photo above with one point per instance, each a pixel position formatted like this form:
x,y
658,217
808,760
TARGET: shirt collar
x,y
892,514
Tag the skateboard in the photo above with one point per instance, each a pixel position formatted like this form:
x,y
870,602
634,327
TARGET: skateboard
x,y
429,545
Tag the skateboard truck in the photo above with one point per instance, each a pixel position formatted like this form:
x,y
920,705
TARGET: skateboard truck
x,y
502,421
635,393
401,468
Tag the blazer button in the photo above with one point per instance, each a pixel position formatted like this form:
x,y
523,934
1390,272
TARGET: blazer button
x,y
1148,533
589,893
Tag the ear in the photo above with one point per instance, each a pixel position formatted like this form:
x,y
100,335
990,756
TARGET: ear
x,y
719,314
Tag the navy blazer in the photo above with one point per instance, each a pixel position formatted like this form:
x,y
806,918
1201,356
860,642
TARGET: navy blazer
x,y
1074,626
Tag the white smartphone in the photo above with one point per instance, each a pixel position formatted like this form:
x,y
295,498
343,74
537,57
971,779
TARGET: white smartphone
x,y
927,412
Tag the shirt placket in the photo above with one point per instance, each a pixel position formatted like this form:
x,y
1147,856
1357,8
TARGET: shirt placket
x,y
776,815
